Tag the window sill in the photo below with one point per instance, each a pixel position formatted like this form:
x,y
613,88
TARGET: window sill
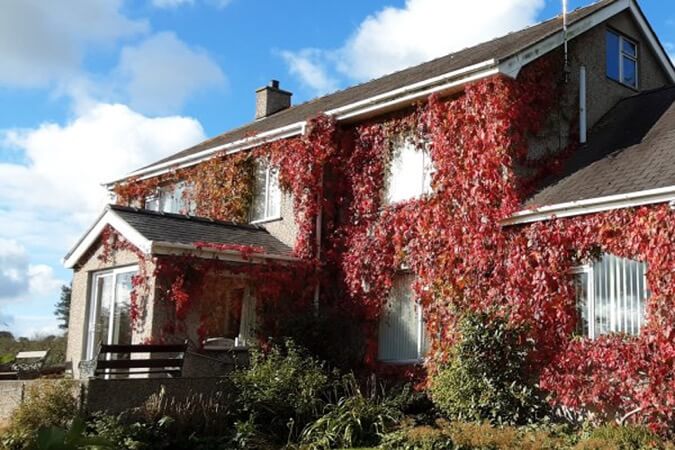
x,y
266,220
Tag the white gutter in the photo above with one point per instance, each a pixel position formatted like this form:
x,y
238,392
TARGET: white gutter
x,y
172,248
404,95
593,205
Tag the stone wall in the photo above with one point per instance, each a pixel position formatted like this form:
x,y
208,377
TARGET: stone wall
x,y
112,396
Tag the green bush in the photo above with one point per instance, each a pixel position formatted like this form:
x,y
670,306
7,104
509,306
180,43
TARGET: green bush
x,y
486,377
282,391
354,417
47,404
622,438
474,436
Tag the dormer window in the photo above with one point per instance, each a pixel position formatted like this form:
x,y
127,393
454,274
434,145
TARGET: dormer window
x,y
409,173
266,203
622,59
171,199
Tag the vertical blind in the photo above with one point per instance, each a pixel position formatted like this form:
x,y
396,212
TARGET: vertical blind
x,y
611,295
401,332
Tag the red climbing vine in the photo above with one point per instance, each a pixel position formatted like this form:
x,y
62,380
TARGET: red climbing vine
x,y
462,257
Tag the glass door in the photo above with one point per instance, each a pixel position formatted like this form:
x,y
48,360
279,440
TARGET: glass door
x,y
109,320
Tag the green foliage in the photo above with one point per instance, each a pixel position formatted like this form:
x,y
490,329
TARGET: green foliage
x,y
486,377
354,417
62,307
282,390
54,438
474,435
47,404
10,346
622,438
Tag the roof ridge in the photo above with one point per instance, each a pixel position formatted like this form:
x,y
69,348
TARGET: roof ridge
x,y
188,217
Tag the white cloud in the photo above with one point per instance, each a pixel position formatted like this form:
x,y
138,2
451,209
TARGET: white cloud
x,y
162,72
396,38
309,66
177,3
18,278
67,163
13,269
41,43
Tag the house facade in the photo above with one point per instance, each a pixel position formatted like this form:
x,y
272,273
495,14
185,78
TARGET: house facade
x,y
530,176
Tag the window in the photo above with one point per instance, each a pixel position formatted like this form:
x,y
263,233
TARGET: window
x,y
611,295
622,59
410,173
109,321
171,199
266,203
402,336
229,311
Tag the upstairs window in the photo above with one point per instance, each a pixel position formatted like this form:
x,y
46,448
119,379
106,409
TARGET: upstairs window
x,y
172,199
410,172
402,336
266,203
611,296
622,59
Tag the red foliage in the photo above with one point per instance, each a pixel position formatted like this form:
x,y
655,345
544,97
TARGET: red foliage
x,y
462,257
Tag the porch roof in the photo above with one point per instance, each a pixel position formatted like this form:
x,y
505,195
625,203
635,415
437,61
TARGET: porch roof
x,y
164,233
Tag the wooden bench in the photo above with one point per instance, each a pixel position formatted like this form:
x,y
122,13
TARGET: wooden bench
x,y
163,360
26,365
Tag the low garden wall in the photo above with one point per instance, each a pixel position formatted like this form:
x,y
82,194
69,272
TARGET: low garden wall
x,y
112,396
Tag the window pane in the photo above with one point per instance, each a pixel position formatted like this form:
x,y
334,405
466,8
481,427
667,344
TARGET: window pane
x,y
629,48
399,325
259,193
274,195
100,314
629,71
121,317
613,52
620,294
581,287
152,203
406,173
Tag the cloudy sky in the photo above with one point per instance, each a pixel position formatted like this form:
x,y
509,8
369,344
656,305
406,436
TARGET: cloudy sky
x,y
91,89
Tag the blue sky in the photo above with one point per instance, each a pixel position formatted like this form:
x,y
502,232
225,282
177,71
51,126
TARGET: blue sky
x,y
91,89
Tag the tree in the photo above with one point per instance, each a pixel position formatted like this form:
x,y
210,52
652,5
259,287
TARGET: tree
x,y
62,310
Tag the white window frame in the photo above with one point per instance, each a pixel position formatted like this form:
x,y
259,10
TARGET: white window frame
x,y
268,216
90,332
589,270
169,195
622,54
421,336
428,170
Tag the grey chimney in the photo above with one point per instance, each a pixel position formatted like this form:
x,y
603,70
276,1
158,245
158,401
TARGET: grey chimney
x,y
270,99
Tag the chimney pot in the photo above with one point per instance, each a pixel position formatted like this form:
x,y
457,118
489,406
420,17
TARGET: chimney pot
x,y
271,99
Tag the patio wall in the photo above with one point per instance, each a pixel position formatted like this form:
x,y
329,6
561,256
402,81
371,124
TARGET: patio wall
x,y
112,396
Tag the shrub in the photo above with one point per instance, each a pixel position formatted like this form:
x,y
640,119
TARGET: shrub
x,y
473,435
47,404
354,417
282,390
210,415
622,438
486,377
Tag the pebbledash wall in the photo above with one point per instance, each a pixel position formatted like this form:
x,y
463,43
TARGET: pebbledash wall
x,y
104,395
81,293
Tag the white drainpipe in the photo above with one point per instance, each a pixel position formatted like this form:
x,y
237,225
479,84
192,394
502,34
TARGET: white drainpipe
x,y
582,106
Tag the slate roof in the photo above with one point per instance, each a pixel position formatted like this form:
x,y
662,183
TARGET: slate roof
x,y
180,229
631,149
499,49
